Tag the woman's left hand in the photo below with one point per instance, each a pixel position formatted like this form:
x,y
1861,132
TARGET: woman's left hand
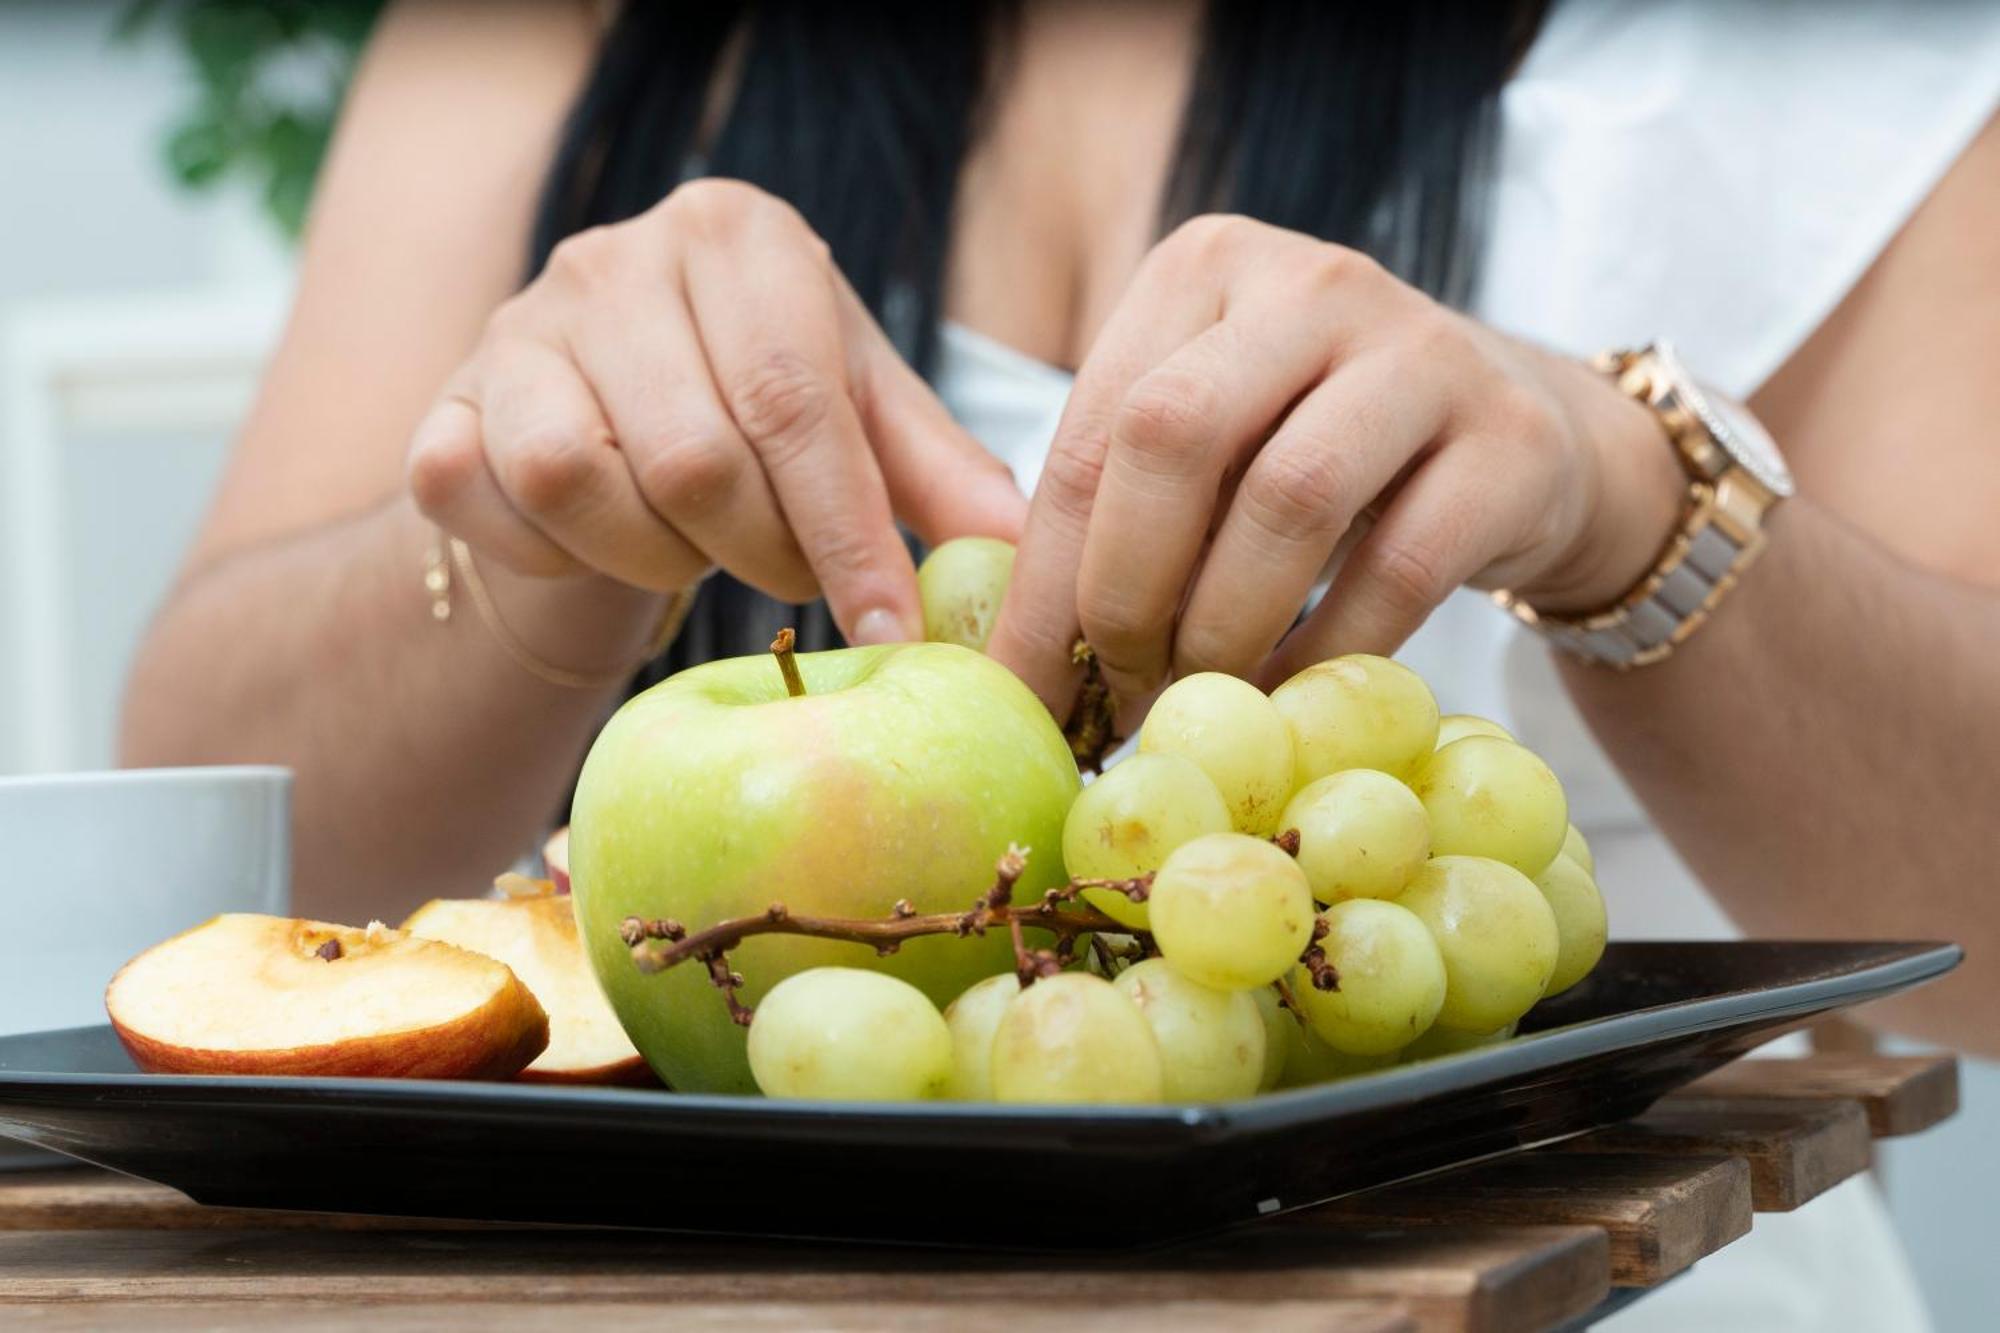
x,y
1262,403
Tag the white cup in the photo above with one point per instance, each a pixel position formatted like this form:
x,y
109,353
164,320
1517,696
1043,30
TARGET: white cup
x,y
99,866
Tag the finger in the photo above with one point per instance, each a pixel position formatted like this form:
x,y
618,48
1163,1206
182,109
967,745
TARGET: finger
x,y
555,457
1038,624
766,312
941,481
1470,505
691,465
1177,431
454,487
1336,451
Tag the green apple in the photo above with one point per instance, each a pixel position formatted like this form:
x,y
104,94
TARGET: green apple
x,y
902,771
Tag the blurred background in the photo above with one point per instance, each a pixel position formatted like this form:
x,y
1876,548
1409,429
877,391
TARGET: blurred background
x,y
156,160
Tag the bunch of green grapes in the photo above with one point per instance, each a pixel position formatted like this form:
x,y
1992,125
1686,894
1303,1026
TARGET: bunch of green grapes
x,y
1437,892
1438,889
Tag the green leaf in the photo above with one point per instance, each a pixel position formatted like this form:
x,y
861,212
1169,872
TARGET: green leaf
x,y
198,152
231,127
286,198
292,147
348,23
138,16
226,41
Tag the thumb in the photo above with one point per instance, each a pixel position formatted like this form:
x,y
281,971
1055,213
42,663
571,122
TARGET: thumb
x,y
941,481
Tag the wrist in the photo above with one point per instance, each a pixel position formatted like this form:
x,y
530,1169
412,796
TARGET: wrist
x,y
583,630
1637,491
589,624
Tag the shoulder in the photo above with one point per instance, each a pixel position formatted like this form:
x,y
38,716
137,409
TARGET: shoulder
x,y
1722,172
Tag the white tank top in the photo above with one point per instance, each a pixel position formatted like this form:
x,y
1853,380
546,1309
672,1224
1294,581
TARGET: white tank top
x,y
1720,173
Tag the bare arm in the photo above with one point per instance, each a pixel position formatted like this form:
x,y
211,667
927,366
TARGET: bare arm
x,y
1822,754
696,387
299,631
1818,753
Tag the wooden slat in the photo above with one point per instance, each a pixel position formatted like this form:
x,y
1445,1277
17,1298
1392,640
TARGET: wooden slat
x,y
1797,1150
1053,1312
1661,1213
1902,1094
1489,1279
1456,1278
1478,1279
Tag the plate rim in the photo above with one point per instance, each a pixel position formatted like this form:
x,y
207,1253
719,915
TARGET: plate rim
x,y
1919,961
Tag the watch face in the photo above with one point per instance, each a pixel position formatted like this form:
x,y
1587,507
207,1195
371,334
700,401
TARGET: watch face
x,y
1739,434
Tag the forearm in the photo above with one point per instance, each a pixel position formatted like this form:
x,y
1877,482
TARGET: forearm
x,y
425,758
1821,754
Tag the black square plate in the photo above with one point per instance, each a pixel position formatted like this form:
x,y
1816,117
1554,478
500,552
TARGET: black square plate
x,y
1652,1017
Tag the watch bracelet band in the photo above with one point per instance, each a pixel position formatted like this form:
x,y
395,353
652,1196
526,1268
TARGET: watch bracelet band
x,y
1719,536
1700,564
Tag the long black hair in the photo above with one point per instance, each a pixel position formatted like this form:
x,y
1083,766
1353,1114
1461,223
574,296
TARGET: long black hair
x,y
1368,123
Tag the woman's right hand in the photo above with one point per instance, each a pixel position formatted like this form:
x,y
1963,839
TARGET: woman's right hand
x,y
697,388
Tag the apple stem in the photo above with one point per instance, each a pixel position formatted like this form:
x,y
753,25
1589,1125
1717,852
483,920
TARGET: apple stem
x,y
788,662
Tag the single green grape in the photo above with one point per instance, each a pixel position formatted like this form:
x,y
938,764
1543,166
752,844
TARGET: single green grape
x,y
1233,732
1357,711
1280,1031
1452,726
846,1034
1310,1060
1580,921
1074,1037
960,586
1231,911
1211,1041
1496,933
1362,834
972,1019
1577,850
1493,798
1390,974
1126,822
1449,1041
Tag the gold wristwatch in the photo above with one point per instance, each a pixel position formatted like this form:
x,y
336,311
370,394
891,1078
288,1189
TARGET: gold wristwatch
x,y
1735,477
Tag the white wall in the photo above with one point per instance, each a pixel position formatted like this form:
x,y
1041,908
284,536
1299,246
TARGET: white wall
x,y
132,320
151,310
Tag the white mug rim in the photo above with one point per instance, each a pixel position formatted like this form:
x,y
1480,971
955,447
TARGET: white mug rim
x,y
127,777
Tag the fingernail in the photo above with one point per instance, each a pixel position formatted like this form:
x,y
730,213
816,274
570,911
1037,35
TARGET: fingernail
x,y
880,626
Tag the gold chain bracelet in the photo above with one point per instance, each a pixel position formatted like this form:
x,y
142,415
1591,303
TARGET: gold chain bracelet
x,y
449,554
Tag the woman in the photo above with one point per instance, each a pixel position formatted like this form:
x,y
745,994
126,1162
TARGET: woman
x,y
704,375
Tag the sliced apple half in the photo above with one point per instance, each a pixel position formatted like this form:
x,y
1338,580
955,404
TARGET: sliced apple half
x,y
555,855
537,938
246,994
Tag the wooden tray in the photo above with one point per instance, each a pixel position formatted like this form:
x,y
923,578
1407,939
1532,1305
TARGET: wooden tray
x,y
1634,1205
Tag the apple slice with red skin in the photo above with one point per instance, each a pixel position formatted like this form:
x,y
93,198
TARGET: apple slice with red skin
x,y
555,855
246,994
537,938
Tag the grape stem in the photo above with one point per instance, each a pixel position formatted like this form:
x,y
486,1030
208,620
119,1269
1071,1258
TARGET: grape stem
x,y
1289,1001
659,944
788,662
1091,728
663,942
1325,977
